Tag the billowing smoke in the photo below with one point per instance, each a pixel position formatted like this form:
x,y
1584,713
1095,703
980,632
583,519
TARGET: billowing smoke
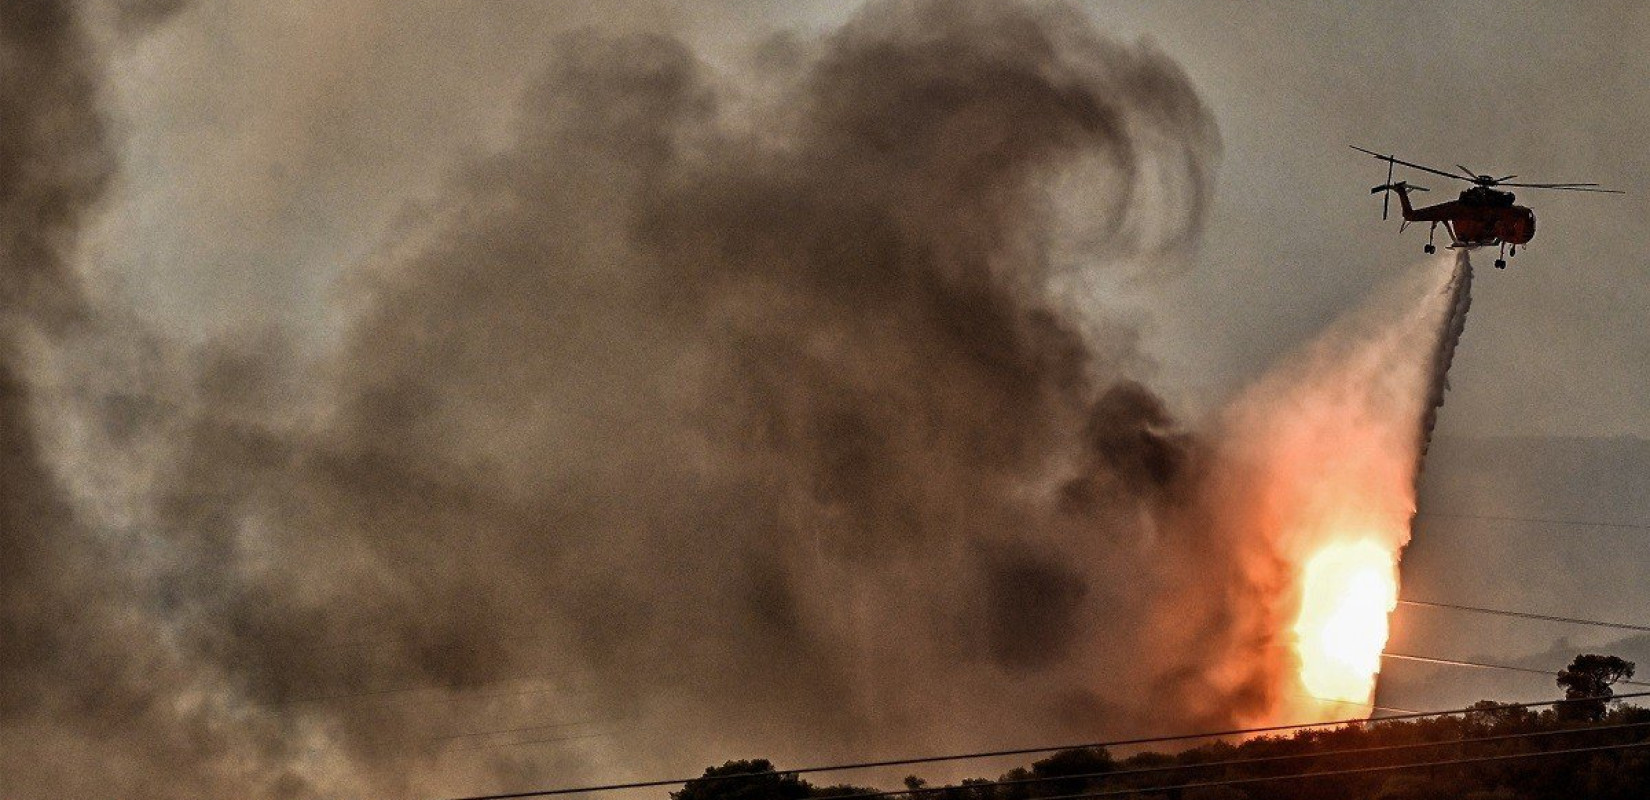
x,y
716,416
51,167
86,665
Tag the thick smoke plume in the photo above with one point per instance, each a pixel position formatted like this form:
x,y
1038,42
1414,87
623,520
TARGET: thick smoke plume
x,y
85,666
714,417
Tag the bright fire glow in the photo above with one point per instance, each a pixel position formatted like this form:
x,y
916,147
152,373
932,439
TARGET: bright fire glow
x,y
1347,591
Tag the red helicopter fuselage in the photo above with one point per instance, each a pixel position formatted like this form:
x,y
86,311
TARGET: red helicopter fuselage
x,y
1482,217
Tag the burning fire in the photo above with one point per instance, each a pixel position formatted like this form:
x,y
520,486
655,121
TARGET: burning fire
x,y
1326,448
1347,590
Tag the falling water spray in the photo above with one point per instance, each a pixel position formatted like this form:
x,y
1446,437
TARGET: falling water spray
x,y
1326,450
1459,291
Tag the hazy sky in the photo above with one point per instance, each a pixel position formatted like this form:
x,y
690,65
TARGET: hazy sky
x,y
248,194
1554,345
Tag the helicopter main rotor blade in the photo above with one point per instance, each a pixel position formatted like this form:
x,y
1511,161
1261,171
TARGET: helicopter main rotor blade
x,y
1563,187
1550,185
1393,160
1470,174
1570,187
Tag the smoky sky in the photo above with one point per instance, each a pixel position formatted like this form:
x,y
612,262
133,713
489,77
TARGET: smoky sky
x,y
780,411
247,194
744,412
52,165
730,404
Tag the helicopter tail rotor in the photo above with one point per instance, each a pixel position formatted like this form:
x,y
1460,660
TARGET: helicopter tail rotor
x,y
1389,188
1386,199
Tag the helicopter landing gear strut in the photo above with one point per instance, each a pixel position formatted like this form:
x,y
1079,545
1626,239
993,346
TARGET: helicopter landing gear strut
x,y
1429,249
1501,263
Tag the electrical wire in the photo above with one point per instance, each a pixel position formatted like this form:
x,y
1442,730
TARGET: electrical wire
x,y
1580,523
523,742
1526,615
1452,662
1235,762
420,687
450,737
1351,771
1372,706
647,784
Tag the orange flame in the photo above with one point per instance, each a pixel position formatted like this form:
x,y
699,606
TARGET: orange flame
x,y
1347,590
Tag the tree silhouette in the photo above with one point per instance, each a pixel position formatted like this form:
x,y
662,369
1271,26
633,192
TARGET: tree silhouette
x,y
1522,761
1079,761
760,783
1587,680
1489,715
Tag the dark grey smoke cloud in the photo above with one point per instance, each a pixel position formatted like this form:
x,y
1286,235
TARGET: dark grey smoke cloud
x,y
738,410
53,163
80,663
784,412
52,167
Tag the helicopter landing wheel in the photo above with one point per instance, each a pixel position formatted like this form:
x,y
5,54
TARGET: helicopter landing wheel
x,y
1501,263
1429,249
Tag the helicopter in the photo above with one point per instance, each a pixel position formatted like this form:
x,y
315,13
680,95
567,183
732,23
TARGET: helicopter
x,y
1482,216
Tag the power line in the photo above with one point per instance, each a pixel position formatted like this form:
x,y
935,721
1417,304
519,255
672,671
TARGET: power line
x,y
1388,709
1580,523
1452,662
417,687
496,731
648,784
1121,773
1352,771
466,696
449,737
523,742
1525,615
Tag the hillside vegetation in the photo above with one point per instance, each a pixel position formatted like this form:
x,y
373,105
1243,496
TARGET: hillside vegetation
x,y
1371,760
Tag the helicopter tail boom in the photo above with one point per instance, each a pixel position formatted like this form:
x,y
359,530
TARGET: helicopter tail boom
x,y
1403,189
